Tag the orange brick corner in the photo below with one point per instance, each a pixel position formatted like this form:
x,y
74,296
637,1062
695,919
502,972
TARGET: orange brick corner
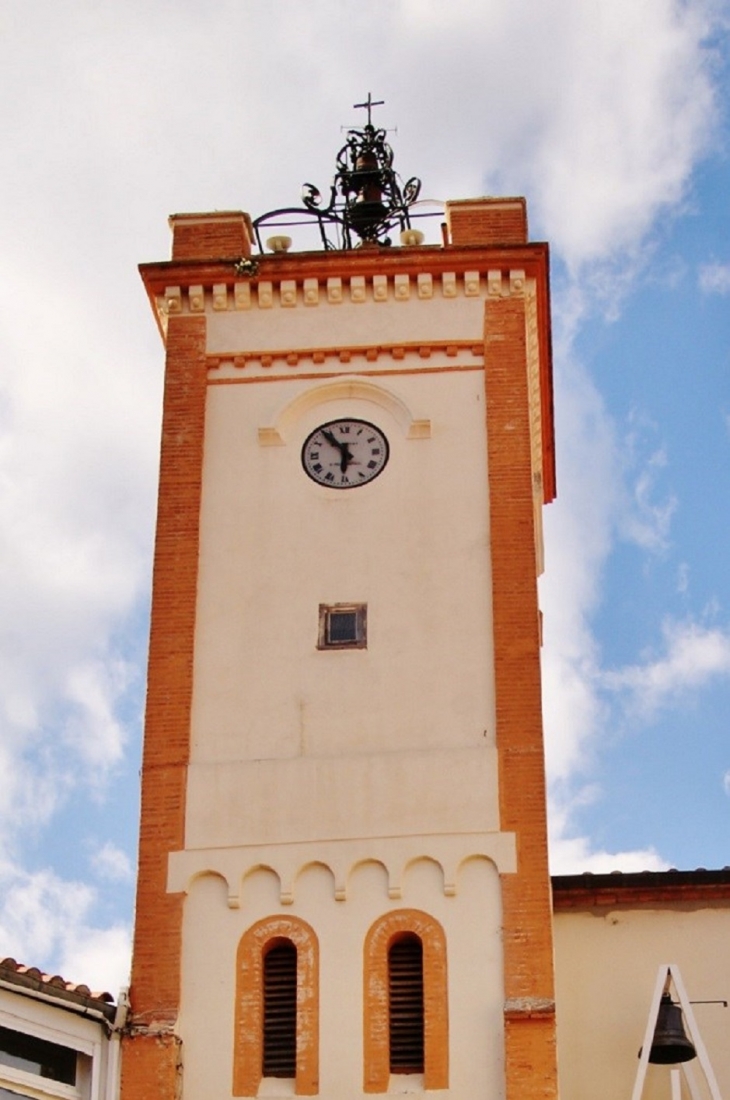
x,y
487,221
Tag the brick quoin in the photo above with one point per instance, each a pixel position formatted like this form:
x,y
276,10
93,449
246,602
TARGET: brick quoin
x,y
530,1061
150,1064
155,988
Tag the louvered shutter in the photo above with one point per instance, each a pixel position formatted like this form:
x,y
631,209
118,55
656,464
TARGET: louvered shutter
x,y
280,1011
405,995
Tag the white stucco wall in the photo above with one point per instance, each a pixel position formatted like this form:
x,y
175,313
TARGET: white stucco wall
x,y
340,785
474,964
606,965
362,732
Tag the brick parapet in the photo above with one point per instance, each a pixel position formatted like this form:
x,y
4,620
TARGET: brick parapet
x,y
487,221
211,236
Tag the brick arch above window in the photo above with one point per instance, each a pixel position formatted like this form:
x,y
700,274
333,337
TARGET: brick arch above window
x,y
376,1037
248,1022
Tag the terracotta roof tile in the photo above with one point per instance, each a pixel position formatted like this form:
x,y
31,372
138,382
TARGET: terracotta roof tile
x,y
31,978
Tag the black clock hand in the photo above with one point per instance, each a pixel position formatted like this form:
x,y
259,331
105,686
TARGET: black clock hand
x,y
345,455
342,448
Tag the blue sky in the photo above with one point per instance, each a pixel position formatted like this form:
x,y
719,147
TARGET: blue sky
x,y
656,777
611,116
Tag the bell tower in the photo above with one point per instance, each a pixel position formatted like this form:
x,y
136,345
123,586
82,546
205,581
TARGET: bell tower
x,y
343,884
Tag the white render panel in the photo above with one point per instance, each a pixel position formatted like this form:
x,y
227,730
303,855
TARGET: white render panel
x,y
347,322
329,798
474,968
606,963
413,545
339,785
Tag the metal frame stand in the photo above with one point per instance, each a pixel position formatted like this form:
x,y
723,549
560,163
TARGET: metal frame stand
x,y
667,976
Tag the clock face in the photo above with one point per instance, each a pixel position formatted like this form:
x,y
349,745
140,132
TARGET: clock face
x,y
343,454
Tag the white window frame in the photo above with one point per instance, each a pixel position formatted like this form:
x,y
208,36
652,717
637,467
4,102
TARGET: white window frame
x,y
42,1088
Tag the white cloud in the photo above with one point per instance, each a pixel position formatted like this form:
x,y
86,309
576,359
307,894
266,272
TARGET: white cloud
x,y
583,700
608,489
726,783
99,957
648,520
606,130
714,278
692,655
111,863
93,688
578,534
46,921
573,856
114,128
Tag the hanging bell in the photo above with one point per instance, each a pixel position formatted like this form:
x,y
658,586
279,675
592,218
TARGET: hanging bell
x,y
670,1043
367,210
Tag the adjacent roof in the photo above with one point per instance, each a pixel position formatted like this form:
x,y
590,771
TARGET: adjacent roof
x,y
30,981
642,888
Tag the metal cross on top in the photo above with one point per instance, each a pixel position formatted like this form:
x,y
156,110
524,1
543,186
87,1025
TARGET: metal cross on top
x,y
369,104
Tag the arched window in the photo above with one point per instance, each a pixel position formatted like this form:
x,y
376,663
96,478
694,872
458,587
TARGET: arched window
x,y
405,1004
280,1010
276,1028
405,1020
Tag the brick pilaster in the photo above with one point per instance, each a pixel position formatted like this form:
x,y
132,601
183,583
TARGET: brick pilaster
x,y
150,1052
530,1062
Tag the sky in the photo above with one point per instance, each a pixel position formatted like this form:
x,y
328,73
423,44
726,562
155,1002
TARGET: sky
x,y
612,118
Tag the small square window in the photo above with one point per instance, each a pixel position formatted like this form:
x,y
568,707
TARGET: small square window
x,y
342,626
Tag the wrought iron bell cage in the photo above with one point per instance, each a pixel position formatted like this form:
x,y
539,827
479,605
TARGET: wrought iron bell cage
x,y
367,201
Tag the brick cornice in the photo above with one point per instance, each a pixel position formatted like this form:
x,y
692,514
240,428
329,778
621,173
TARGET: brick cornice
x,y
435,259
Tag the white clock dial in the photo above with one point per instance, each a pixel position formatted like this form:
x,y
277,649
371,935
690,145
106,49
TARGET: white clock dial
x,y
343,454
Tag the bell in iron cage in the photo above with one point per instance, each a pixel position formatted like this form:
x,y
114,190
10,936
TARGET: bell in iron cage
x,y
368,209
670,1044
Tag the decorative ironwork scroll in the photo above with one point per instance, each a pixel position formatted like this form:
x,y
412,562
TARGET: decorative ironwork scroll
x,y
367,200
